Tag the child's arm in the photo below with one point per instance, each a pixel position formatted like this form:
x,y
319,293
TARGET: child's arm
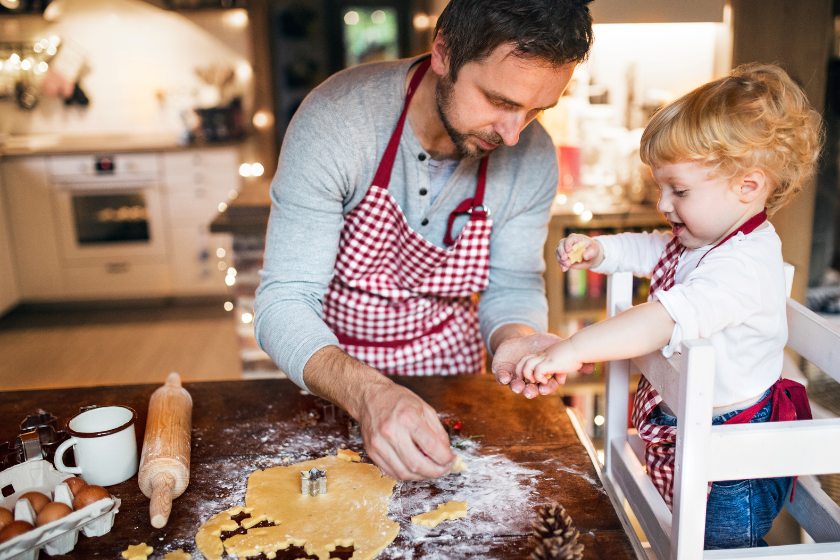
x,y
635,332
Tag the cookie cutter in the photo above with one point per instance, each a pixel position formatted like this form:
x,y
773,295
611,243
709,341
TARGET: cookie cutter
x,y
327,410
313,482
354,429
38,438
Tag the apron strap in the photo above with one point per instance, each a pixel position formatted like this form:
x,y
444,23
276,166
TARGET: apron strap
x,y
790,402
747,228
473,206
383,173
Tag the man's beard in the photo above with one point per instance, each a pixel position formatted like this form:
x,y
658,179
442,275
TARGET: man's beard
x,y
443,95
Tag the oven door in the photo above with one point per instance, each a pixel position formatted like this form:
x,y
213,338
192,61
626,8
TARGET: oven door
x,y
110,220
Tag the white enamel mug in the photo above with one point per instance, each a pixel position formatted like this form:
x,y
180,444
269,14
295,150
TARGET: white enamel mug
x,y
104,445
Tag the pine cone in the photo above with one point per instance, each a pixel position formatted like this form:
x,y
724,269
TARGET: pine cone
x,y
554,537
555,549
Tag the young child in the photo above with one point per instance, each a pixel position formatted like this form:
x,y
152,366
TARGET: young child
x,y
725,155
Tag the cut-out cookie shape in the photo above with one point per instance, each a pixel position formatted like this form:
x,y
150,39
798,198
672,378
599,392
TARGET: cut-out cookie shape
x,y
459,465
137,551
178,555
348,455
208,538
576,254
449,510
353,513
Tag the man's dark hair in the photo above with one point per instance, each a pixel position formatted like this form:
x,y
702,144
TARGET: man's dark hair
x,y
556,31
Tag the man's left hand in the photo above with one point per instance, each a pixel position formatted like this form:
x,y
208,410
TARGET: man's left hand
x,y
513,349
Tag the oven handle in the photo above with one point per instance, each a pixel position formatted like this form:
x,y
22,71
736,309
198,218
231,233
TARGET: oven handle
x,y
106,186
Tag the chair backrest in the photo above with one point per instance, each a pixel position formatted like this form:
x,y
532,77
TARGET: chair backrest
x,y
707,453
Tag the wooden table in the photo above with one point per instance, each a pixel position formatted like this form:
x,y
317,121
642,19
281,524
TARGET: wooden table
x,y
529,455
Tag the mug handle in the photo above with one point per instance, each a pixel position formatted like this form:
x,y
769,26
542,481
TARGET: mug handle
x,y
59,458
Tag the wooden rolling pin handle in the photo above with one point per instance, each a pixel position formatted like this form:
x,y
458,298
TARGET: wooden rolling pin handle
x,y
161,504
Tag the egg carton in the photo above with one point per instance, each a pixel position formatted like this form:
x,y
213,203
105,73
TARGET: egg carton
x,y
61,535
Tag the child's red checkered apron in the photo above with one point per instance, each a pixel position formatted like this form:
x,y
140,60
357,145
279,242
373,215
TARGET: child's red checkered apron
x,y
399,303
789,399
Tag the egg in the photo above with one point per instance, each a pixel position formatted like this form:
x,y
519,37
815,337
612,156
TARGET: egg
x,y
37,499
75,483
52,512
6,517
14,529
89,494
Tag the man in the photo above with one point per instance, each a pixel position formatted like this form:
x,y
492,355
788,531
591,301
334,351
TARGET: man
x,y
403,190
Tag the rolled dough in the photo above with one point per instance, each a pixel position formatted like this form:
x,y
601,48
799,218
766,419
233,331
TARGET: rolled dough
x,y
208,538
353,512
449,510
178,555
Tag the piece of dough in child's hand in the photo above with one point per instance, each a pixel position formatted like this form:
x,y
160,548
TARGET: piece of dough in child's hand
x,y
576,254
459,465
449,510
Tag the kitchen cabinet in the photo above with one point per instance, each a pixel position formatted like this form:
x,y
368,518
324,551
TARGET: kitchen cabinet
x,y
125,225
196,183
9,294
32,228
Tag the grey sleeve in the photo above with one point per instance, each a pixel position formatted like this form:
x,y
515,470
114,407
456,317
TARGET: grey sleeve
x,y
314,176
516,293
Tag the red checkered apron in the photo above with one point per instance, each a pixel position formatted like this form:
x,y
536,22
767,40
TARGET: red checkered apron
x,y
399,303
789,399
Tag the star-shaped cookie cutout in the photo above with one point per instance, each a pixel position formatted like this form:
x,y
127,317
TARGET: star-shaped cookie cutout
x,y
178,555
137,551
576,254
449,510
349,455
459,465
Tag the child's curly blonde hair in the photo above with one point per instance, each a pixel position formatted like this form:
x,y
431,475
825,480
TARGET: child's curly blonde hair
x,y
756,117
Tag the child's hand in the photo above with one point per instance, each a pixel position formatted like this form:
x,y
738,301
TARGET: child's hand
x,y
579,251
557,361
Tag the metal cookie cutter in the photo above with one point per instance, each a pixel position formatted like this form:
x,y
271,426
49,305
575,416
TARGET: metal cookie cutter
x,y
313,482
354,430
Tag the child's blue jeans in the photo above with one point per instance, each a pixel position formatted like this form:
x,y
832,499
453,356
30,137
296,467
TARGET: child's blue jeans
x,y
739,513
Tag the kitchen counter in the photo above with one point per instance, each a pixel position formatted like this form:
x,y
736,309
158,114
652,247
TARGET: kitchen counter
x,y
55,144
529,455
248,215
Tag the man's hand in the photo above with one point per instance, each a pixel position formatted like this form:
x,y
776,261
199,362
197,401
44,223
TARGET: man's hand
x,y
511,350
403,435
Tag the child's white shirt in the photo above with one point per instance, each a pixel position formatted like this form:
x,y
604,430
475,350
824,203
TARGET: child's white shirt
x,y
735,298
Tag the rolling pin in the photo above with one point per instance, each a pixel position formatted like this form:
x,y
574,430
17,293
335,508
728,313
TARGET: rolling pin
x,y
165,462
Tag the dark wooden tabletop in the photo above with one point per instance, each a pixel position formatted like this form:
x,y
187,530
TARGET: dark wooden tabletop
x,y
529,455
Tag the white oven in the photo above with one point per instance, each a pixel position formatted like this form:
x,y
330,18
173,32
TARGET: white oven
x,y
108,207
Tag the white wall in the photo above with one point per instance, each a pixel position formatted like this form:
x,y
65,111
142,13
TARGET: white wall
x,y
666,57
141,67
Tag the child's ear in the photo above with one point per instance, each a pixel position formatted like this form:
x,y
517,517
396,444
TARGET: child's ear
x,y
750,186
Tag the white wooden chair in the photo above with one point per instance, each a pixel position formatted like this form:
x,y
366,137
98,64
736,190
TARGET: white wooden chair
x,y
708,453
